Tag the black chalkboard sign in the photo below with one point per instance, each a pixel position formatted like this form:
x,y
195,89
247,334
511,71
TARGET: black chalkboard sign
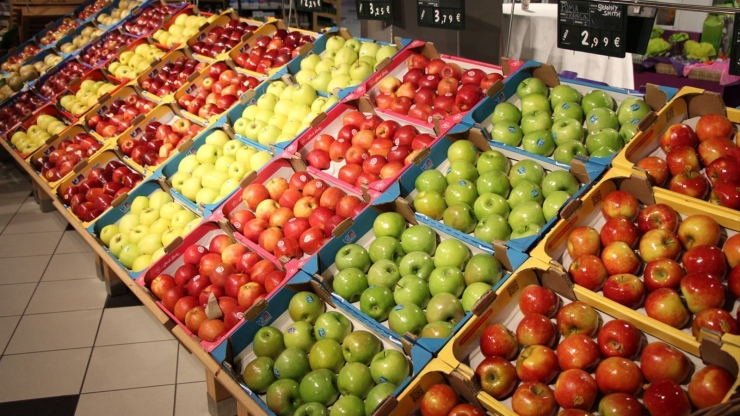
x,y
592,27
308,5
375,10
735,45
442,14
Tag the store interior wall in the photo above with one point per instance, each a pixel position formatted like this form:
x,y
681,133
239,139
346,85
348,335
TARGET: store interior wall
x,y
481,39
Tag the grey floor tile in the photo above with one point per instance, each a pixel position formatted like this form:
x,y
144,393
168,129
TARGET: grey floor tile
x,y
42,374
70,295
131,366
4,221
70,266
7,326
191,399
36,244
72,243
55,331
29,206
189,368
36,223
151,401
10,205
14,298
22,269
130,325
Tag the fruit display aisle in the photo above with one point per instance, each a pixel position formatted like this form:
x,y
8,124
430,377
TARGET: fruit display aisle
x,y
341,226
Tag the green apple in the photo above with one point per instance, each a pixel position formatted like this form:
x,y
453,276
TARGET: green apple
x,y
451,253
305,306
142,262
206,196
139,204
445,307
526,169
128,254
107,233
182,218
493,160
389,224
539,142
607,138
568,110
553,203
565,129
326,353
495,181
188,164
600,119
446,279
490,203
411,289
460,216
283,397
560,180
431,180
310,61
416,263
473,293
350,283
462,150
360,347
492,227
604,152
387,248
319,386
354,256
378,395
506,112
507,132
217,137
345,56
535,102
564,93
150,243
299,335
159,226
377,302
628,131
461,170
332,325
632,109
222,163
419,238
348,405
117,243
525,191
232,147
439,329
430,203
168,210
355,379
170,235
526,230
405,318
483,268
595,99
268,342
567,151
529,212
461,191
312,409
534,121
384,273
531,86
291,363
258,374
208,153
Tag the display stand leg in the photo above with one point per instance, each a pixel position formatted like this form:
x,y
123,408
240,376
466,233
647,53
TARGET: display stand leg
x,y
242,410
100,267
113,284
45,201
220,401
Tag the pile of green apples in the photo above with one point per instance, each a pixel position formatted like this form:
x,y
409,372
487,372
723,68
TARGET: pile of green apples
x,y
132,63
406,278
138,239
86,97
483,194
321,361
36,135
345,63
554,127
215,170
281,113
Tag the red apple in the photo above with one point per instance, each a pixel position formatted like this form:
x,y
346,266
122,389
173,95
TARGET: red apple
x,y
249,293
583,240
702,291
589,271
496,376
619,375
660,361
576,389
625,289
656,169
665,305
619,258
715,319
666,397
677,135
714,148
577,318
662,273
699,229
537,363
536,299
657,216
184,305
439,400
619,229
578,351
498,341
535,329
709,386
659,244
620,203
194,318
713,125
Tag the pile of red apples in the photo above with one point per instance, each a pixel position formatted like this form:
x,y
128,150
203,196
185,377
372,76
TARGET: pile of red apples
x,y
67,154
149,20
159,141
218,92
105,49
119,115
272,51
222,39
58,82
12,114
171,76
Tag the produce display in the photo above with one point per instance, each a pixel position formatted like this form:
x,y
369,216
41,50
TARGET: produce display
x,y
86,97
267,51
131,63
184,27
81,40
120,12
53,35
218,39
171,75
13,112
138,239
36,134
149,20
60,79
105,49
443,400
14,62
118,116
65,156
344,63
551,122
50,60
92,9
153,142
217,92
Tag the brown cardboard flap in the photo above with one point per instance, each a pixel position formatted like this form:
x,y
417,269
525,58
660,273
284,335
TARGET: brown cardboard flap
x,y
162,181
244,99
500,253
321,292
707,102
648,121
712,353
578,169
138,119
406,342
558,281
640,187
654,97
547,74
212,309
342,227
365,105
483,302
465,386
255,310
318,119
570,208
226,226
185,146
383,64
423,153
78,167
173,245
495,89
251,176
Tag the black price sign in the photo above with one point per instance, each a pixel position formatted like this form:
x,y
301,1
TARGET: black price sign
x,y
735,45
308,5
592,27
442,14
374,10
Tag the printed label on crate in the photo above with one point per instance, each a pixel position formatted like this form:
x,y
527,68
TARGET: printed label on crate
x,y
137,131
350,237
441,14
592,27
263,320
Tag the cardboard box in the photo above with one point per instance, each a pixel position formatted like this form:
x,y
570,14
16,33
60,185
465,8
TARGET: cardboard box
x,y
220,21
156,69
30,120
105,104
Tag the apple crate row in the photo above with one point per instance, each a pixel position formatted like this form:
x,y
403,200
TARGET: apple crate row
x,y
37,130
665,262
509,352
86,93
25,76
55,82
545,115
114,14
690,150
105,48
301,346
19,107
75,41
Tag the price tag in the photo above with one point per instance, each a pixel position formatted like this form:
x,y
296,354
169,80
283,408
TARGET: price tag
x,y
735,45
308,5
374,10
592,27
441,14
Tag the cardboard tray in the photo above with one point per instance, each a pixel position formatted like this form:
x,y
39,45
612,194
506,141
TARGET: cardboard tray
x,y
14,99
213,22
70,37
686,108
505,91
237,351
156,68
398,68
131,47
361,232
30,120
103,38
463,352
586,210
96,75
49,74
104,103
188,10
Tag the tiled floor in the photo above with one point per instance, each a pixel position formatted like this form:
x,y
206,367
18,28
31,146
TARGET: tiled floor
x,y
66,347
